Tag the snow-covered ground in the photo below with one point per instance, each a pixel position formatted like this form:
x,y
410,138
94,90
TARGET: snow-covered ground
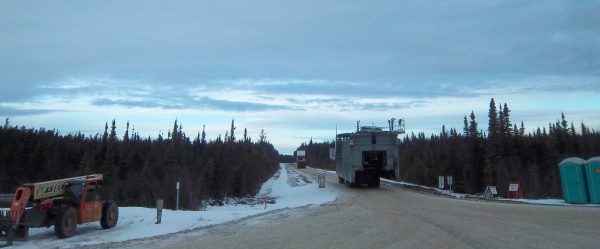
x,y
461,195
560,202
288,188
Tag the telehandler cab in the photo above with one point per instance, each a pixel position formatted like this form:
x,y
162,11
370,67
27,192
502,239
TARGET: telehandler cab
x,y
63,203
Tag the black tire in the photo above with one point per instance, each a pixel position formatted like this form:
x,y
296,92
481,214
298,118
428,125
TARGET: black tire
x,y
341,180
376,182
352,184
110,215
65,222
371,183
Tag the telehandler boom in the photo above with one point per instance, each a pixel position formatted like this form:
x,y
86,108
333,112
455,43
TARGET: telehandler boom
x,y
62,203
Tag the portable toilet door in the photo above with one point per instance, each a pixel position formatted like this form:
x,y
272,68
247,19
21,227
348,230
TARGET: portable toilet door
x,y
592,176
573,180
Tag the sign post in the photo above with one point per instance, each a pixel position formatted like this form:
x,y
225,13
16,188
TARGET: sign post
x,y
177,200
450,182
441,182
321,179
159,207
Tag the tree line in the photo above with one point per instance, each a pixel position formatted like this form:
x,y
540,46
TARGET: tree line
x,y
503,154
137,171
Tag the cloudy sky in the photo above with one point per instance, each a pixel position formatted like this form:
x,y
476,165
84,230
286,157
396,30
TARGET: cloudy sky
x,y
296,68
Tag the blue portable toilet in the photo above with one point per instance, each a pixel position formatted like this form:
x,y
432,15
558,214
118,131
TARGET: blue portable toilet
x,y
592,177
572,178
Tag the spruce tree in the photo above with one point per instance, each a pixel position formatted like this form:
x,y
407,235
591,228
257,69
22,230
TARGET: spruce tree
x,y
232,132
506,120
493,119
473,130
126,135
466,127
492,151
203,136
262,137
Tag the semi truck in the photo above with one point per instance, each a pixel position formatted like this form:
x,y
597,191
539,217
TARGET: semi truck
x,y
62,203
301,159
362,157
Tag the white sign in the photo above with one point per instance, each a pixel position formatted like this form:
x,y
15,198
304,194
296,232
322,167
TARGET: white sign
x,y
449,180
441,182
493,190
177,187
513,187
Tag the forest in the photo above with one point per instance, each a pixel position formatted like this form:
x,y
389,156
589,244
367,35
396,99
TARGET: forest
x,y
503,154
137,171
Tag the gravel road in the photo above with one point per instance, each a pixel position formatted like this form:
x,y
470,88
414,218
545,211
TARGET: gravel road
x,y
390,217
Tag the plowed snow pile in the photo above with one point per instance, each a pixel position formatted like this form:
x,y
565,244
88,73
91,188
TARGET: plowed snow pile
x,y
288,188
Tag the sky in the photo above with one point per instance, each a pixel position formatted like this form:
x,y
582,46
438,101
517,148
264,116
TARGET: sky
x,y
297,69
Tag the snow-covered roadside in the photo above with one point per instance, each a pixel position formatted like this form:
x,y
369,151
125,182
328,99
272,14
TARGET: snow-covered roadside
x,y
137,222
556,202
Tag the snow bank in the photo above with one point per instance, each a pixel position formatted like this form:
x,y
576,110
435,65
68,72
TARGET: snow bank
x,y
549,202
137,222
461,195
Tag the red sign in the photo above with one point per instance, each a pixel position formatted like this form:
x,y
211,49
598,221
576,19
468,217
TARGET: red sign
x,y
514,191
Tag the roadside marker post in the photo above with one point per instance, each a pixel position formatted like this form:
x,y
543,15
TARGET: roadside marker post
x,y
450,182
321,179
177,199
159,207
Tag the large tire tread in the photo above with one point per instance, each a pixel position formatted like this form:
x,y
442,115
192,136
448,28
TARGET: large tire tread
x,y
110,215
65,223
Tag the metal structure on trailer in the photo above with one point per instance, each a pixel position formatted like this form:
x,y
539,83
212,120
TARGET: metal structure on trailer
x,y
362,157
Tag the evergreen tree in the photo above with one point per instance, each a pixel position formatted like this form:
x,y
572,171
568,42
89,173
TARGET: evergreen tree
x,y
262,137
126,135
466,127
506,121
522,129
493,119
112,139
174,136
105,136
473,130
203,137
232,132
492,152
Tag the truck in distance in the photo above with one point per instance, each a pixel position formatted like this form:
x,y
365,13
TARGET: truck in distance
x,y
301,159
